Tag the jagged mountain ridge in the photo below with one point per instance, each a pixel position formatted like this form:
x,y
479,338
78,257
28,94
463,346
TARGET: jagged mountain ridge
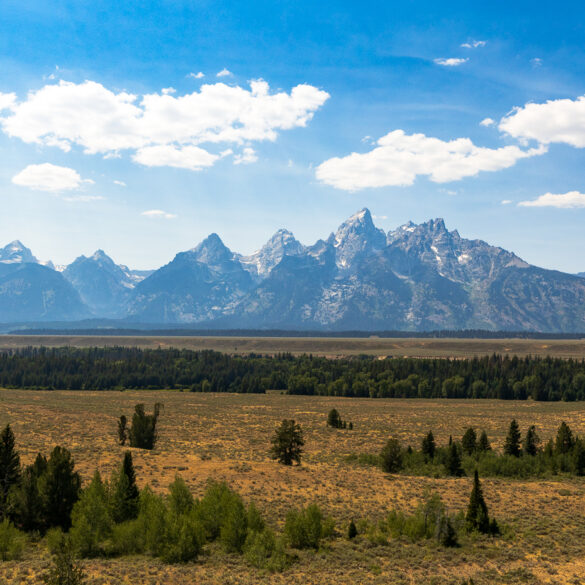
x,y
416,277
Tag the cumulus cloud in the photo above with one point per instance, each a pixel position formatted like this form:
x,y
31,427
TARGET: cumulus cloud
x,y
451,62
120,183
560,120
199,75
474,44
160,128
399,158
570,200
487,122
506,201
49,177
224,73
247,156
158,214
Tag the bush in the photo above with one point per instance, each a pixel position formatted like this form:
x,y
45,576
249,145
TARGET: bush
x,y
64,570
12,541
391,456
304,528
184,539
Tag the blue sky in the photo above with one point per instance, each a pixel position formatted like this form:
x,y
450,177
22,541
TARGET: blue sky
x,y
89,162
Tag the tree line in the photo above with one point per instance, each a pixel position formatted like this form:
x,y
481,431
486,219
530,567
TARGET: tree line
x,y
118,368
523,455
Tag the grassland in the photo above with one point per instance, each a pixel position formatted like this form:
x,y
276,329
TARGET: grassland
x,y
226,437
329,347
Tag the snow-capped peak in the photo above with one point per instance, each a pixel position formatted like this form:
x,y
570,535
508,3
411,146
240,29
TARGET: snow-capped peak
x,y
16,253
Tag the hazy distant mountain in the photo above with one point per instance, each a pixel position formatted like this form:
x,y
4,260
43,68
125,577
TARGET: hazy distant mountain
x,y
416,277
103,285
581,274
31,292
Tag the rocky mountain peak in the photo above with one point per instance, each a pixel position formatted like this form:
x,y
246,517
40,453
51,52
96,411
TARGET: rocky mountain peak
x,y
212,251
15,253
357,236
281,244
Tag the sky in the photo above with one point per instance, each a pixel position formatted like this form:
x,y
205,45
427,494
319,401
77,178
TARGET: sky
x,y
141,127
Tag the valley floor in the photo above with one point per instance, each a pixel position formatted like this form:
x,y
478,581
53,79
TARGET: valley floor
x,y
227,436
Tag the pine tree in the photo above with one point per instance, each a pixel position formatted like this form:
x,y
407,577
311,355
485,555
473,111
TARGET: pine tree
x,y
512,443
531,441
391,456
287,443
122,430
9,468
428,446
352,530
477,517
565,441
124,491
469,441
579,457
483,444
29,510
453,462
333,419
59,488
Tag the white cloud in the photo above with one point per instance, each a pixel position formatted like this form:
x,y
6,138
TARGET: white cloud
x,y
168,90
103,122
224,73
380,216
158,214
570,200
474,44
560,120
120,183
399,158
7,100
247,156
48,177
487,122
451,62
192,158
199,75
536,62
83,198
506,201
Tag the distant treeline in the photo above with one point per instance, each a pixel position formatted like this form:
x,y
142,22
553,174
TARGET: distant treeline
x,y
185,331
119,368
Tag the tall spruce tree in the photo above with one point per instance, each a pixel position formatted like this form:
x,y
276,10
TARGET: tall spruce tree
x,y
531,441
29,509
59,487
512,443
9,468
453,461
483,444
428,445
565,440
122,430
333,419
477,517
469,441
124,493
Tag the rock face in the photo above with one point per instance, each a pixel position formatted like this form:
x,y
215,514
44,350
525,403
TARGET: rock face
x,y
416,277
103,285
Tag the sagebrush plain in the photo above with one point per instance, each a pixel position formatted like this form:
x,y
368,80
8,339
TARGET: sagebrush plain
x,y
227,437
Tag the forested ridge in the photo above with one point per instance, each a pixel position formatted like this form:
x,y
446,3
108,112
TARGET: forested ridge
x,y
118,368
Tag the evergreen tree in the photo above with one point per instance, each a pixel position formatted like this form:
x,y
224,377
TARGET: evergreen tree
x,y
287,443
477,517
428,446
29,510
142,433
453,462
483,444
122,430
391,456
512,443
9,468
469,441
352,530
564,441
124,491
531,441
59,488
333,419
578,455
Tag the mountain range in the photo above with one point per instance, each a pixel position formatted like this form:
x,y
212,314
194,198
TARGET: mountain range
x,y
416,277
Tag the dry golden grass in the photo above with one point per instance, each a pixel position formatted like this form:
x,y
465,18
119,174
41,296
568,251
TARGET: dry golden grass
x,y
323,346
226,437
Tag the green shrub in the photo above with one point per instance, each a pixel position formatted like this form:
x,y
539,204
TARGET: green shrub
x,y
304,528
12,541
391,456
184,539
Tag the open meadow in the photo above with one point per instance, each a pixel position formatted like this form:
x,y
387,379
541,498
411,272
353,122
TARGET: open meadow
x,y
321,346
227,437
